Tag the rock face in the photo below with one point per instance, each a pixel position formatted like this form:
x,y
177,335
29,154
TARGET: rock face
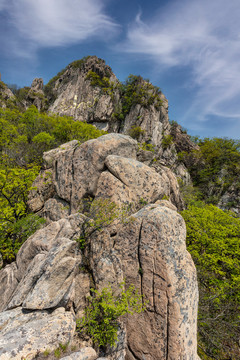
x,y
75,96
5,94
89,91
230,199
48,284
100,167
24,333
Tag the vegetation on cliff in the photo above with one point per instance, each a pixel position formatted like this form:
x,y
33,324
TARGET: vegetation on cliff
x,y
24,136
214,168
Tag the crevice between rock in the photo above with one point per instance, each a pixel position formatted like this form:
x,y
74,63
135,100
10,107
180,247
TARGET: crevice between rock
x,y
116,176
139,259
131,351
168,334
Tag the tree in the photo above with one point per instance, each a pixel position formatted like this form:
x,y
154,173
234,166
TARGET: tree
x,y
15,184
213,241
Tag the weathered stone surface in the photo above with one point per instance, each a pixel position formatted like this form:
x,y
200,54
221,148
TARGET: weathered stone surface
x,y
48,251
75,96
89,162
86,353
167,204
56,280
175,195
37,84
152,120
153,257
25,334
81,290
43,190
5,94
55,209
76,170
129,181
147,249
230,199
47,279
8,283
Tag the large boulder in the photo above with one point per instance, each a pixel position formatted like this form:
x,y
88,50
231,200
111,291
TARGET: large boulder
x,y
25,334
151,254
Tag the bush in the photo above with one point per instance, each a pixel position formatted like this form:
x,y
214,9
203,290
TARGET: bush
x,y
101,320
167,141
213,241
13,235
25,136
135,132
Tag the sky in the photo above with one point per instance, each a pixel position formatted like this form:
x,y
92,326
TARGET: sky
x,y
189,48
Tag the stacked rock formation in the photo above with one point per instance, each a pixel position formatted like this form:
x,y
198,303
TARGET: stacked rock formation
x,y
45,290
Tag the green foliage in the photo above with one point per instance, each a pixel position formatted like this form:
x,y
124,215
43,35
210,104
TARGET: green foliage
x,y
135,91
167,141
136,132
3,86
101,212
23,139
97,80
214,167
15,223
15,184
146,147
139,91
25,136
213,241
101,320
78,64
48,88
13,235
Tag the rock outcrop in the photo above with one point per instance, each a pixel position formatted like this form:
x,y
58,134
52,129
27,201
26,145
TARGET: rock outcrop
x,y
104,167
75,95
48,285
5,94
89,91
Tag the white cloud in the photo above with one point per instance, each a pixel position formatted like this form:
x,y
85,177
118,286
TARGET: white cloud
x,y
43,23
203,37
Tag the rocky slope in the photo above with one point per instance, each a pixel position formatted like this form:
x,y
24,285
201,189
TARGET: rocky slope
x,y
43,292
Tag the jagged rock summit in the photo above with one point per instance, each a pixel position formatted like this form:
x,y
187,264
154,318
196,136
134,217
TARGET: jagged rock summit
x,y
43,292
89,91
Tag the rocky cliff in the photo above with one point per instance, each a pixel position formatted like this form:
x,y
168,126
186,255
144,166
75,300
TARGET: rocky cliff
x,y
45,290
5,94
89,91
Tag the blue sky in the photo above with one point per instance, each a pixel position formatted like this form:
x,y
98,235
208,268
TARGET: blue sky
x,y
189,48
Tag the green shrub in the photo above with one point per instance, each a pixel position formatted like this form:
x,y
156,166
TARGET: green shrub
x,y
167,141
136,132
101,320
213,241
25,136
13,235
146,147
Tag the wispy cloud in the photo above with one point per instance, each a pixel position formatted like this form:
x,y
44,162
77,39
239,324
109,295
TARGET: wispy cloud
x,y
203,37
34,24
